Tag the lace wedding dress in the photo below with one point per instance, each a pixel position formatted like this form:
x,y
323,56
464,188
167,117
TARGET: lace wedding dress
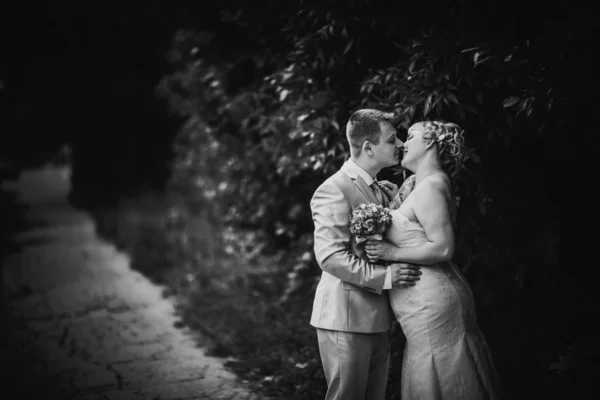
x,y
446,355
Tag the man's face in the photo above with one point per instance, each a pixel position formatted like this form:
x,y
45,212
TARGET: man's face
x,y
387,152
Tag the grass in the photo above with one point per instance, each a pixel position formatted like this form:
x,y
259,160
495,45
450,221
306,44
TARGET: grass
x,y
231,293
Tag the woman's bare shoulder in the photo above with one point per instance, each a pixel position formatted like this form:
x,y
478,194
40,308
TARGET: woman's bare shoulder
x,y
437,182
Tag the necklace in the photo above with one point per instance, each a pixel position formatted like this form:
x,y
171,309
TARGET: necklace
x,y
431,173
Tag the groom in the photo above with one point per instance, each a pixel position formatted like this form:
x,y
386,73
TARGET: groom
x,y
351,310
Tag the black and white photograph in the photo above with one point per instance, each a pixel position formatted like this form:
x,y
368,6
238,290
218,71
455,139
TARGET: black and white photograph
x,y
298,200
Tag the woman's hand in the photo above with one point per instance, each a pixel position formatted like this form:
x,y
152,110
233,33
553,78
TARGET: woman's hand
x,y
389,188
379,250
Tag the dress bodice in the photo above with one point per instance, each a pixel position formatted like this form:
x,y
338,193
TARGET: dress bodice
x,y
404,232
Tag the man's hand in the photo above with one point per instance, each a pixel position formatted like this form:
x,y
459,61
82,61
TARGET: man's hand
x,y
389,188
405,275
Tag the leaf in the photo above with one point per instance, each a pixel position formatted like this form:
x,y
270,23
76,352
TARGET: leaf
x,y
387,78
469,49
427,105
284,93
452,97
411,66
411,111
470,109
523,103
319,100
348,47
482,61
477,55
481,207
510,101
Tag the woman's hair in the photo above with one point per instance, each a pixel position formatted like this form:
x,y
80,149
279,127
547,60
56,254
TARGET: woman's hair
x,y
450,141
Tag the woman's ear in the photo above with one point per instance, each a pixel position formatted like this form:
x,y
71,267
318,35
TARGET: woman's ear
x,y
429,142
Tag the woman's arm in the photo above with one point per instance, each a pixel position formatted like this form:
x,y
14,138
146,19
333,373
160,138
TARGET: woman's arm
x,y
433,213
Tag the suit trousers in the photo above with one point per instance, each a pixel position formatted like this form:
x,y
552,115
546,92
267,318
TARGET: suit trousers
x,y
356,364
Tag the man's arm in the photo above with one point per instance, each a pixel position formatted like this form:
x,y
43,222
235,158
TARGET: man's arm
x,y
331,216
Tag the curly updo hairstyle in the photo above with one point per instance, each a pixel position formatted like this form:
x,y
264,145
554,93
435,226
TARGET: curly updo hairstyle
x,y
450,141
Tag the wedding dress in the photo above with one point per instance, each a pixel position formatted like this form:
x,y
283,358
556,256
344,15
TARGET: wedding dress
x,y
446,355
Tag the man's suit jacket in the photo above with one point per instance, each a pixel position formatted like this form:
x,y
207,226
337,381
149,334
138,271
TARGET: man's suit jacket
x,y
350,294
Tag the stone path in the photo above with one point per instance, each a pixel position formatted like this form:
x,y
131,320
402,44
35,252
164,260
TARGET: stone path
x,y
78,323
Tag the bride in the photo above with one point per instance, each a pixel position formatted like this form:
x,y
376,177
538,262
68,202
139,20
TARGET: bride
x,y
446,355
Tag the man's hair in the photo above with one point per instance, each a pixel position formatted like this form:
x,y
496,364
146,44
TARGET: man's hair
x,y
363,125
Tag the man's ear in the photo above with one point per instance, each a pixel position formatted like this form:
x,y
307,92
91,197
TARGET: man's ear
x,y
366,147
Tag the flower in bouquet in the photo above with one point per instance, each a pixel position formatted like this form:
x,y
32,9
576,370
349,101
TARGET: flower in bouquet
x,y
369,221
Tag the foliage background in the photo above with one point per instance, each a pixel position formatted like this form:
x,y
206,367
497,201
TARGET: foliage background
x,y
202,130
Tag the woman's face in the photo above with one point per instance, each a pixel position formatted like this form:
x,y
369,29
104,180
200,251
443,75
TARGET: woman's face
x,y
414,148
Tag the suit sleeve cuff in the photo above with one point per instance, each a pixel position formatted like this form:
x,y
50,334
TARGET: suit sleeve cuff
x,y
387,284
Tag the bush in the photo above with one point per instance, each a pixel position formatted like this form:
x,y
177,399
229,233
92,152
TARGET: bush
x,y
264,121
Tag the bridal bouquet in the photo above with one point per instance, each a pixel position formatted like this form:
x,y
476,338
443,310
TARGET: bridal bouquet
x,y
369,221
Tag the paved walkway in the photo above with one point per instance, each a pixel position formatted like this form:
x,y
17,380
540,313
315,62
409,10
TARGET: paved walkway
x,y
78,323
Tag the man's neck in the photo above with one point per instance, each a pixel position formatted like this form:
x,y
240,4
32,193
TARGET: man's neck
x,y
371,170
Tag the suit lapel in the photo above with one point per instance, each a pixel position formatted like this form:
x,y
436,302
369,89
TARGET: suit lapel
x,y
363,187
360,184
